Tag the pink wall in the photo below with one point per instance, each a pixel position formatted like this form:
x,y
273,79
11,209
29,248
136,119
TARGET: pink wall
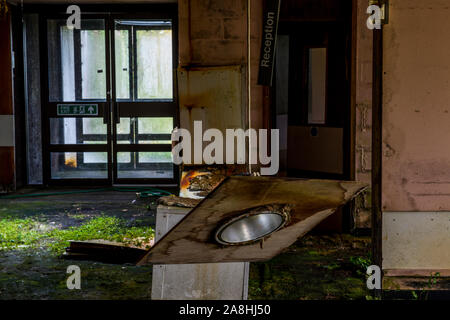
x,y
416,108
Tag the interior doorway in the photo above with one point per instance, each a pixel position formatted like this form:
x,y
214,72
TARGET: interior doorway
x,y
312,93
312,105
109,102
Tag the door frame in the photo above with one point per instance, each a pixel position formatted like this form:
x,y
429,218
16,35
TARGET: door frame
x,y
350,125
377,149
159,108
349,148
349,139
109,13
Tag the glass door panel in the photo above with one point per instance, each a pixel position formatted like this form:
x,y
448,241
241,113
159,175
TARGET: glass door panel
x,y
77,107
154,64
144,100
76,61
109,127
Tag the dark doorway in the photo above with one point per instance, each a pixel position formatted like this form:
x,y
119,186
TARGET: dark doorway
x,y
313,88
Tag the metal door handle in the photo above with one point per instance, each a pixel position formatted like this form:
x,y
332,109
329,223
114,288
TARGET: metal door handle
x,y
116,113
106,113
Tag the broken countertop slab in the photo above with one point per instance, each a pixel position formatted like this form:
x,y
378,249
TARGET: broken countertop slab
x,y
192,239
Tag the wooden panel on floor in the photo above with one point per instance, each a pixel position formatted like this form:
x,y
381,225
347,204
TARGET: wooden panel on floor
x,y
192,240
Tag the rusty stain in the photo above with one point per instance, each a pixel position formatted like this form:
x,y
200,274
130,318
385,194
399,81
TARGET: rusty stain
x,y
389,151
71,162
199,181
185,183
212,95
189,107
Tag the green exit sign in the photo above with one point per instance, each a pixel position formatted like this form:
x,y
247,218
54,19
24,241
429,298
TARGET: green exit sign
x,y
77,110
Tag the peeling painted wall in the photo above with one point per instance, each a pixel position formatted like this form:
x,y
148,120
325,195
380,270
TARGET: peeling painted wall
x,y
213,33
212,95
416,132
416,240
416,108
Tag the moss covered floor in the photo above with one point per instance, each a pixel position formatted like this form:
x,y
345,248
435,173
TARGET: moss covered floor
x,y
35,231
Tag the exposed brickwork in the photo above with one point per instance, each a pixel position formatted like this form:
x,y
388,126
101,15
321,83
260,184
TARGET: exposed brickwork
x,y
214,33
217,32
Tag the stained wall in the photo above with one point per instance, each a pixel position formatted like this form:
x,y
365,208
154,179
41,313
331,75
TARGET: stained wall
x,y
416,134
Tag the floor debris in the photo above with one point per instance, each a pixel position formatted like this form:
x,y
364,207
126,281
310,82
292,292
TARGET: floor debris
x,y
103,251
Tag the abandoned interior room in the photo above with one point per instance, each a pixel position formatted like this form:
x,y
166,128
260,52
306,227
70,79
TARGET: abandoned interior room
x,y
224,149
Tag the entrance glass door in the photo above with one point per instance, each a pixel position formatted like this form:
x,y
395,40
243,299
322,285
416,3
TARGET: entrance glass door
x,y
143,96
109,107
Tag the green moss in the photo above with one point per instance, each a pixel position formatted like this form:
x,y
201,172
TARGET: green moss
x,y
25,209
19,232
105,228
38,274
315,268
390,284
15,233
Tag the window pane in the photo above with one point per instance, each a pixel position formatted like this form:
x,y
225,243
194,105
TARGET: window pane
x,y
155,125
95,157
77,165
145,165
93,62
67,64
124,132
155,157
61,60
155,141
124,157
124,126
122,58
144,130
76,61
317,80
154,64
93,126
77,130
